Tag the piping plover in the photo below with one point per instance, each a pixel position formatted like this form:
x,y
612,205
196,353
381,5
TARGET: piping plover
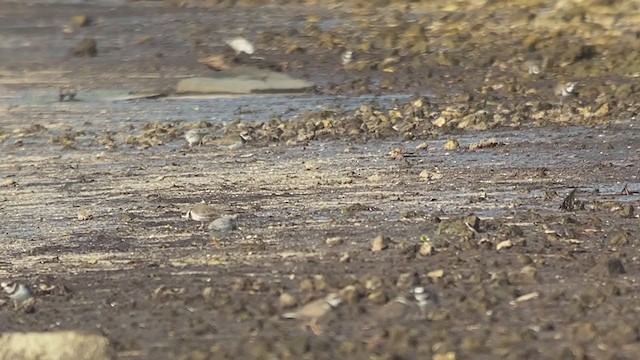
x,y
532,67
424,298
315,309
240,45
233,141
347,57
565,89
195,136
65,92
203,212
535,64
17,292
223,225
396,309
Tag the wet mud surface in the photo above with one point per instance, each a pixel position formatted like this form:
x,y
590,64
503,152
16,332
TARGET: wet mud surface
x,y
513,208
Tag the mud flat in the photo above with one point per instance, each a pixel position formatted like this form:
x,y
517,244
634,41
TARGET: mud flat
x,y
472,213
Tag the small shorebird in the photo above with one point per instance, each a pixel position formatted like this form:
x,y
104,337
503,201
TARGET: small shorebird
x,y
565,89
17,292
203,212
535,64
346,57
232,141
532,67
424,298
315,310
66,92
195,136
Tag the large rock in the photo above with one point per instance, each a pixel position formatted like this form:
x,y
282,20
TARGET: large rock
x,y
242,80
67,345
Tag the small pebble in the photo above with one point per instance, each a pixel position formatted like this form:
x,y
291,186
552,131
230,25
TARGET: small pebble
x,y
377,297
287,300
435,274
426,249
380,243
407,280
334,241
451,144
506,244
85,214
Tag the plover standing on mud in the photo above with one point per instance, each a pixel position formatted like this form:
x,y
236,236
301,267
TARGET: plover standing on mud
x,y
347,57
17,292
424,298
565,89
203,212
195,136
65,92
315,309
222,226
532,67
535,64
233,141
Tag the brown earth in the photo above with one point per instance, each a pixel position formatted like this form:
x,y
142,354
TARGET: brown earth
x,y
470,181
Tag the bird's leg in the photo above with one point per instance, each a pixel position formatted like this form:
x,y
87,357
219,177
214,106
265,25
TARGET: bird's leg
x,y
313,326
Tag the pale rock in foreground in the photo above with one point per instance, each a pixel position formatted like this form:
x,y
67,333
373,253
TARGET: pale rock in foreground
x,y
62,345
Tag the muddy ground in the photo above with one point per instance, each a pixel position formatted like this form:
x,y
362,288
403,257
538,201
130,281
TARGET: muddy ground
x,y
468,176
